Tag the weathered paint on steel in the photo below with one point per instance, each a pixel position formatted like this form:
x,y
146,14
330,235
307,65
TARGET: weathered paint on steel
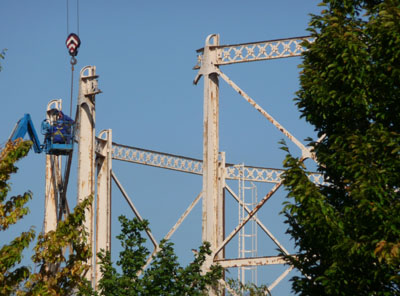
x,y
251,214
280,278
262,226
174,228
133,208
51,193
256,51
304,150
53,176
183,217
136,212
195,166
86,161
220,232
239,262
211,194
103,211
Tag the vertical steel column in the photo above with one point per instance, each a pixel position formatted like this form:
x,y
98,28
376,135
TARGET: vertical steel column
x,y
221,209
221,204
211,203
103,213
53,177
51,202
86,161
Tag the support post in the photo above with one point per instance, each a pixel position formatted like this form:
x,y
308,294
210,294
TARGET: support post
x,y
221,204
103,212
53,178
212,218
221,210
86,161
210,145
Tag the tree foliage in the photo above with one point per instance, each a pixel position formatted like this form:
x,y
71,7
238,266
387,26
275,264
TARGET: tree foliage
x,y
248,289
61,256
348,230
164,276
12,209
59,273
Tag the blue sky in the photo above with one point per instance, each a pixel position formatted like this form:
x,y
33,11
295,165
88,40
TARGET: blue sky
x,y
144,52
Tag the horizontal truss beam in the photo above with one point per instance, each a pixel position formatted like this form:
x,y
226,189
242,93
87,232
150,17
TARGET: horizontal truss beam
x,y
254,261
195,166
256,51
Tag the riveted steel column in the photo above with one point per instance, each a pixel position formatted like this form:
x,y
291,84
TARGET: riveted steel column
x,y
86,161
221,210
103,213
221,204
210,146
53,178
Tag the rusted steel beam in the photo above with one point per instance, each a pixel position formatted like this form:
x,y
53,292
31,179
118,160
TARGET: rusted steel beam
x,y
133,208
262,226
195,166
256,51
239,262
211,195
53,178
103,211
183,217
251,214
280,278
304,150
88,88
157,159
172,230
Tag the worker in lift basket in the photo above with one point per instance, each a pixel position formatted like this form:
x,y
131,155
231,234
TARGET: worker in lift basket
x,y
61,130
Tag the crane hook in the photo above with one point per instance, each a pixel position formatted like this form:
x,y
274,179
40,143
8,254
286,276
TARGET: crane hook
x,y
73,42
73,61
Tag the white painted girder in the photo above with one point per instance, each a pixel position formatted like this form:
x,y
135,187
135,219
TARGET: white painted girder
x,y
195,166
103,210
256,51
86,151
254,261
53,178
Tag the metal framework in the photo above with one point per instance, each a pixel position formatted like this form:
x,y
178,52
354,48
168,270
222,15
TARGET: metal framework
x,y
195,166
95,155
56,203
255,51
210,58
53,180
248,238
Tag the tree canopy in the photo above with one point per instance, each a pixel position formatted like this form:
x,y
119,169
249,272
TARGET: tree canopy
x,y
164,276
59,272
61,257
13,209
347,230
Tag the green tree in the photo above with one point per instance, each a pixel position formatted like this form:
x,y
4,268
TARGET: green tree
x,y
59,273
348,230
163,277
12,209
248,289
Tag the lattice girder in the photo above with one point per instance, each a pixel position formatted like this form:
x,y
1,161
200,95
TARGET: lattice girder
x,y
257,51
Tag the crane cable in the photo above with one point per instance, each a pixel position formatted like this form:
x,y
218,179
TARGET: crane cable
x,y
77,16
73,42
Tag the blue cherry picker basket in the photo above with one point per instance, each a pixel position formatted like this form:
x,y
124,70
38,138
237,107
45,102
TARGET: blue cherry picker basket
x,y
59,134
